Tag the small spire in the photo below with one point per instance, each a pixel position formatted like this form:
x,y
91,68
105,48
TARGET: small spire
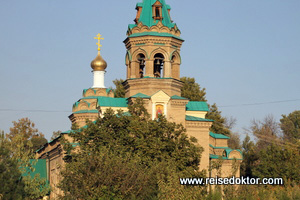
x,y
99,38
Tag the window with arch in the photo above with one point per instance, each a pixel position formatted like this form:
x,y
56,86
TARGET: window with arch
x,y
157,11
158,65
141,60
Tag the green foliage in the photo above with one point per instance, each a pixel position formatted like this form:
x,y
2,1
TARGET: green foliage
x,y
126,157
55,134
278,161
262,192
250,157
290,126
120,90
267,131
11,185
234,141
219,121
25,129
15,180
192,90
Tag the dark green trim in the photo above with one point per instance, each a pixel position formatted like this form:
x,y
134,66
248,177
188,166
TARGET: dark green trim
x,y
218,136
192,118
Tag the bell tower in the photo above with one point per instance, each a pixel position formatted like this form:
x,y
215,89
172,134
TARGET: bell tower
x,y
153,51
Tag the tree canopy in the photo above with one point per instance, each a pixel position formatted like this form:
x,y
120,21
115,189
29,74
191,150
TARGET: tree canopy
x,y
135,152
290,126
192,90
16,151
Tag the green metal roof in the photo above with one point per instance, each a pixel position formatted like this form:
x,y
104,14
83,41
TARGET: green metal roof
x,y
112,102
192,118
108,101
141,95
197,106
39,166
178,97
155,34
218,136
146,16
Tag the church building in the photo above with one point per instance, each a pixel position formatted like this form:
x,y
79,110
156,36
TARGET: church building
x,y
152,66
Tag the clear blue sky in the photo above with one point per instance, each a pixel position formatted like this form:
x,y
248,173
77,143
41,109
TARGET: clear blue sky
x,y
242,52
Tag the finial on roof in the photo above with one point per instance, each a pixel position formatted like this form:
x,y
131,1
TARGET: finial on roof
x,y
99,38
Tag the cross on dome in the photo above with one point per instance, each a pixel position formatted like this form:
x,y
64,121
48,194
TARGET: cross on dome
x,y
99,38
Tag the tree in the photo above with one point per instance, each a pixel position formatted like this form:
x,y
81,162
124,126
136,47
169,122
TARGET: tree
x,y
234,141
26,129
250,157
290,126
12,186
135,153
278,161
15,170
120,90
191,90
55,134
266,131
218,125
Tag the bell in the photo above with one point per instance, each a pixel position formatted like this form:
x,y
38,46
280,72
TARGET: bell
x,y
157,63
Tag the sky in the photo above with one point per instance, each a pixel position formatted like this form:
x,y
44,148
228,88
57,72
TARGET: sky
x,y
245,53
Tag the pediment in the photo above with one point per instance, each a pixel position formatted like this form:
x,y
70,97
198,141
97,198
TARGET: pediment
x,y
160,96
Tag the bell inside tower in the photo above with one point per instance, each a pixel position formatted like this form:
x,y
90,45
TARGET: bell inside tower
x,y
158,65
141,59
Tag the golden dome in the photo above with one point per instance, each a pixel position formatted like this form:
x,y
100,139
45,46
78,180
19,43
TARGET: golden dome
x,y
98,64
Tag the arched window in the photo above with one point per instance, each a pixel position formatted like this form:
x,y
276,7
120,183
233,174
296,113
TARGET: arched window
x,y
158,65
175,66
157,11
141,59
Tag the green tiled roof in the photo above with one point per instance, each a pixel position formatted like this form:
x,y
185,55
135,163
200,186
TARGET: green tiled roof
x,y
141,95
192,118
197,106
178,97
146,16
155,34
218,136
39,166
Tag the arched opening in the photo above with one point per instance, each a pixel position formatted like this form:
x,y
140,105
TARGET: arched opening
x,y
175,66
157,12
141,60
158,65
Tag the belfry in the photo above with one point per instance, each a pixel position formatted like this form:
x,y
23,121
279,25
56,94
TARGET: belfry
x,y
153,51
153,61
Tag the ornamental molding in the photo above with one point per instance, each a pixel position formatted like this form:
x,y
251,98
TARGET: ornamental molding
x,y
179,102
148,39
197,124
159,27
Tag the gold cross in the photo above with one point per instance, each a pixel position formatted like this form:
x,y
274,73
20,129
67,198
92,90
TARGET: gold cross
x,y
98,38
